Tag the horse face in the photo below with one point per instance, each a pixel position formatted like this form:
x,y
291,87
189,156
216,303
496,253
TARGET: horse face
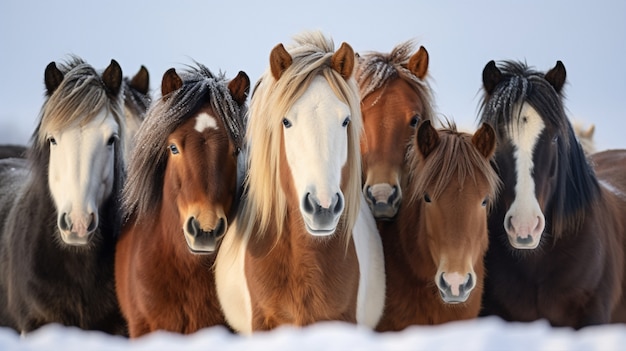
x,y
81,175
533,172
456,223
316,149
201,177
389,123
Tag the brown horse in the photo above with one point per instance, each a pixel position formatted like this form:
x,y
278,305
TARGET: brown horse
x,y
304,246
434,249
395,97
181,192
557,232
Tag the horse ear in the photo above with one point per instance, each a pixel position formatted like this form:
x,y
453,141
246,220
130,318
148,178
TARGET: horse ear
x,y
240,87
280,60
52,78
427,138
342,60
141,80
171,81
485,140
418,63
556,76
112,78
491,76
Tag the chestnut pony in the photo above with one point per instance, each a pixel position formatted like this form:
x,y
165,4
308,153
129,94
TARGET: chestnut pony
x,y
59,207
395,97
434,249
181,192
557,231
304,245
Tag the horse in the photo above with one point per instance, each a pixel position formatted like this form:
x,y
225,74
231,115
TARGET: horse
x,y
59,214
395,97
137,100
557,231
585,137
434,248
178,200
304,246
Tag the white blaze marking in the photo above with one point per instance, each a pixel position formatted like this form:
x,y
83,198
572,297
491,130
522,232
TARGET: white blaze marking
x,y
204,121
525,213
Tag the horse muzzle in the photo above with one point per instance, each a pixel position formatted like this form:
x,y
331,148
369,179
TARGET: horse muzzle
x,y
202,241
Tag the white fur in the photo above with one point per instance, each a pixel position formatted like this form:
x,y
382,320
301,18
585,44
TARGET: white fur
x,y
231,284
205,121
81,170
316,146
525,213
369,250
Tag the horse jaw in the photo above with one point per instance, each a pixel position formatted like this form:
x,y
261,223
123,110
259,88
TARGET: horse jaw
x,y
316,148
81,175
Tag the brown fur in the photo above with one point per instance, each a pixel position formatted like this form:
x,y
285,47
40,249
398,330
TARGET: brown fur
x,y
452,170
161,284
293,277
395,97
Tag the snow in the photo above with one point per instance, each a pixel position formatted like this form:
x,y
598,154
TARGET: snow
x,y
489,333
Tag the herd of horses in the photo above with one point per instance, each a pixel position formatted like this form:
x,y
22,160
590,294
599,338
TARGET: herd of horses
x,y
335,194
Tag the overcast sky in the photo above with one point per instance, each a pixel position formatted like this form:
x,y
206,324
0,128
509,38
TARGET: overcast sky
x,y
460,36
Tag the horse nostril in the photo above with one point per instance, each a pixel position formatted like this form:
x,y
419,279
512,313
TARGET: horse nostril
x,y
220,229
93,223
193,227
338,204
469,284
65,223
309,205
394,195
368,194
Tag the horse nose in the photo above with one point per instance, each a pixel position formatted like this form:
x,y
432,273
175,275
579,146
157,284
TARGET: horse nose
x,y
200,240
455,287
524,234
312,206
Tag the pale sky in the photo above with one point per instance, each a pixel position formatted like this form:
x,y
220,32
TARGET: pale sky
x,y
460,36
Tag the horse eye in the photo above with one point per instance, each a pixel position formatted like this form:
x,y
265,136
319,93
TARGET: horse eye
x,y
52,141
485,201
414,121
345,122
427,198
286,123
173,149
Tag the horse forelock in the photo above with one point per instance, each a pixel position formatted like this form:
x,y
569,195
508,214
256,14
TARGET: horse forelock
x,y
265,202
577,187
143,190
78,99
454,156
376,70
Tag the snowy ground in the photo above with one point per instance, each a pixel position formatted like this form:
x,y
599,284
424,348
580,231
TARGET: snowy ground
x,y
482,334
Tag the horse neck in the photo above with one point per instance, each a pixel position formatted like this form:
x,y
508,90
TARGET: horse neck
x,y
405,242
296,246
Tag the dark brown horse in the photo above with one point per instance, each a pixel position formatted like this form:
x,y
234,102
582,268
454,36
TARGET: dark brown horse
x,y
304,246
59,209
395,97
557,233
181,192
434,249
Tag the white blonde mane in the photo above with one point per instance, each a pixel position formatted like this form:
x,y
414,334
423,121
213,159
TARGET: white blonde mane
x,y
266,203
